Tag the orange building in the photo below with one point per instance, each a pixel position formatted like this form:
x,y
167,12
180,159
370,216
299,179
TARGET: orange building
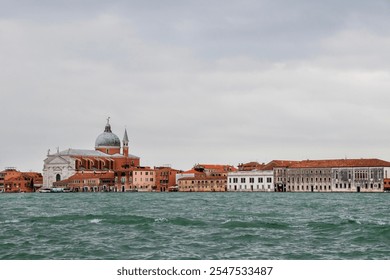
x,y
12,180
386,185
205,178
88,182
165,178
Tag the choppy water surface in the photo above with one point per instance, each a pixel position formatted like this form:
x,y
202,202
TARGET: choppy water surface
x,y
194,226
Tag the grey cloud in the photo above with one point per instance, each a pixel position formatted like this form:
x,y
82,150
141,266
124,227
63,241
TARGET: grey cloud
x,y
196,81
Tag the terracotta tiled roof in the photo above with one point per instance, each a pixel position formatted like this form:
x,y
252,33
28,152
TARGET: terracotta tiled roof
x,y
81,176
205,178
16,177
279,163
253,165
191,171
340,163
215,166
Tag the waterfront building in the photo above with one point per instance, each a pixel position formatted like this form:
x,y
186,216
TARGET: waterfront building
x,y
340,175
105,158
88,182
143,179
279,169
205,178
165,178
186,174
12,180
256,180
202,183
133,178
386,183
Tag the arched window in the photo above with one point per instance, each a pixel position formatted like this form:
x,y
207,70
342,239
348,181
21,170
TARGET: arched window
x,y
58,177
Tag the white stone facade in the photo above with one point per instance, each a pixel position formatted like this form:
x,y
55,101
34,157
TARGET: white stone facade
x,y
57,167
340,179
251,181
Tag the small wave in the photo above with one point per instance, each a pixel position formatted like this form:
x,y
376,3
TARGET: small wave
x,y
226,221
180,221
255,224
95,221
11,221
381,223
160,220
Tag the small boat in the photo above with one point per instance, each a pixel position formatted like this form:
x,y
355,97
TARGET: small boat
x,y
173,189
57,190
54,190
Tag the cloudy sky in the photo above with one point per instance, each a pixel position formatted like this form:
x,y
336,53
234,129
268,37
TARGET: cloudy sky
x,y
196,81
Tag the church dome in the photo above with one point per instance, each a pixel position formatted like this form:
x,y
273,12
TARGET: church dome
x,y
107,138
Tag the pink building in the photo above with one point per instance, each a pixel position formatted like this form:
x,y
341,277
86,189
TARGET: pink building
x,y
143,179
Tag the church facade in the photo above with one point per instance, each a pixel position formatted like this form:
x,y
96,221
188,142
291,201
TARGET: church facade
x,y
108,157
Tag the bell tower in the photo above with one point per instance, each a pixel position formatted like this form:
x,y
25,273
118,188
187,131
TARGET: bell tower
x,y
125,144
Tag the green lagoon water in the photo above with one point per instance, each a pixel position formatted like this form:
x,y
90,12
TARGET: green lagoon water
x,y
194,226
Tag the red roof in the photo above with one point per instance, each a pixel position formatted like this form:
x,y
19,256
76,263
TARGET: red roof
x,y
205,178
219,167
340,163
81,176
191,171
253,165
278,163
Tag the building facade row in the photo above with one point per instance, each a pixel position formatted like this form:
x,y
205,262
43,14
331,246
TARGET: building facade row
x,y
345,175
341,175
110,167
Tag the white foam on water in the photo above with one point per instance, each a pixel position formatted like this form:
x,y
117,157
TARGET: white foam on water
x,y
95,221
11,221
160,220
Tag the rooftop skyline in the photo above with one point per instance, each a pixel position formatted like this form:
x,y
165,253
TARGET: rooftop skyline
x,y
194,82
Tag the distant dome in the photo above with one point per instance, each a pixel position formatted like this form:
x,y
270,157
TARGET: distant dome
x,y
107,138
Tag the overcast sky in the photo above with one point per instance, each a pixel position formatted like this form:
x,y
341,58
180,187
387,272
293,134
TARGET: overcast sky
x,y
217,81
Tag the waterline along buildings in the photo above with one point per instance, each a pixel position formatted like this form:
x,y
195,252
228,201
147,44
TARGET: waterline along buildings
x,y
342,175
109,167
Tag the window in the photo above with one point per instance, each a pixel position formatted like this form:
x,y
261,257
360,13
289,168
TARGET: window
x,y
251,180
269,180
242,180
260,180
